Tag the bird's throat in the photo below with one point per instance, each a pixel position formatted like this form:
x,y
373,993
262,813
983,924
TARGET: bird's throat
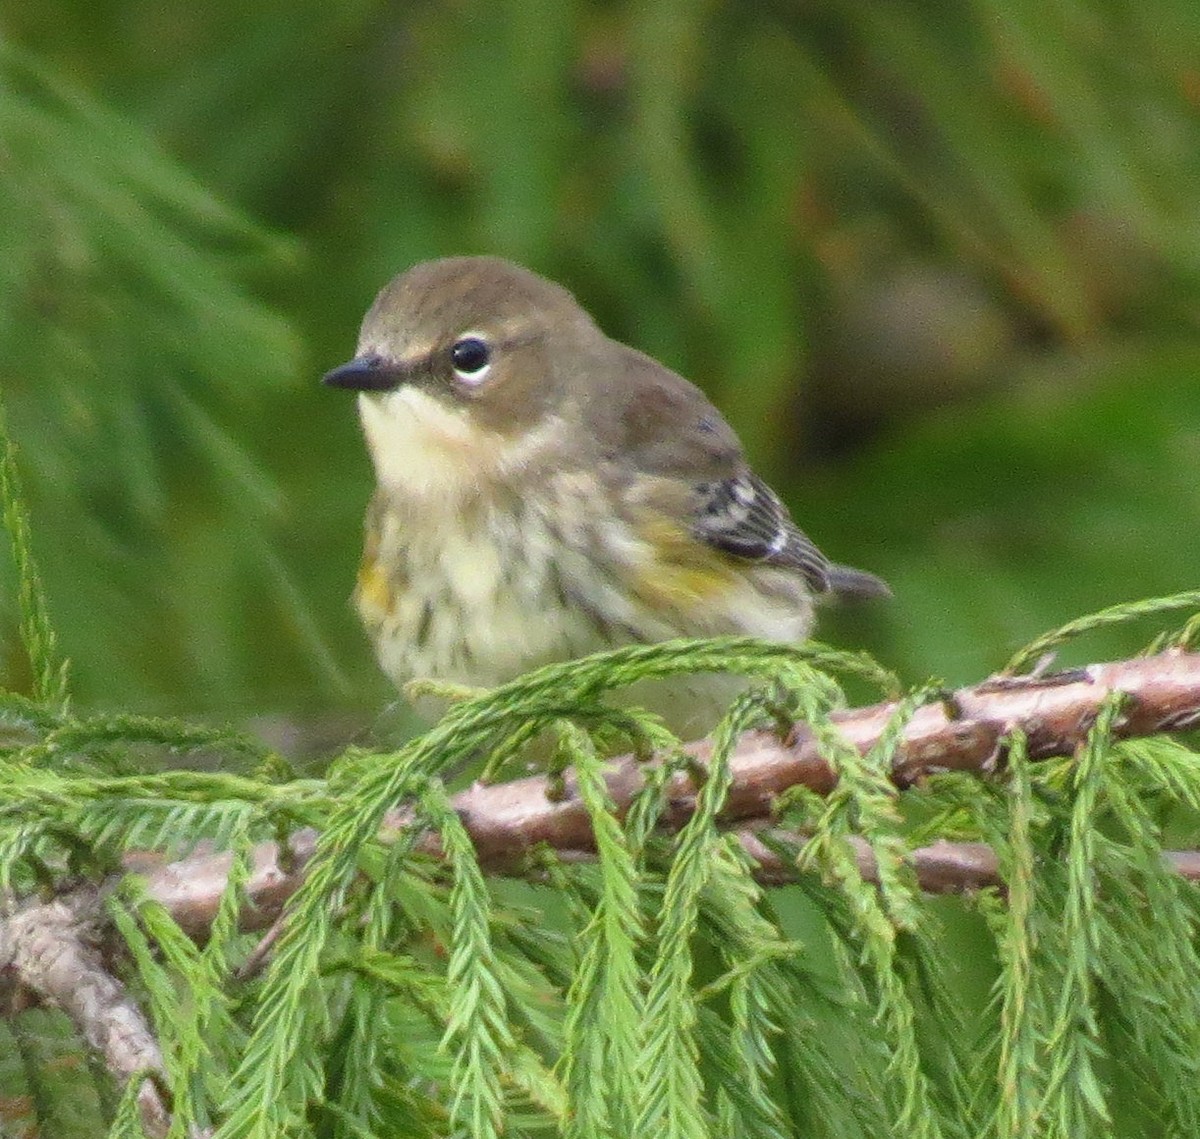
x,y
423,448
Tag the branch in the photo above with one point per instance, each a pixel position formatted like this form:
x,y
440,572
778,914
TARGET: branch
x,y
941,868
964,733
45,945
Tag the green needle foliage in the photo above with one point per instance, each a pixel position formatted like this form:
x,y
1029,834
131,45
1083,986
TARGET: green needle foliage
x,y
658,990
127,335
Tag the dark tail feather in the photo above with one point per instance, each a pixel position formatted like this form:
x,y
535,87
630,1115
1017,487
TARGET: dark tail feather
x,y
855,585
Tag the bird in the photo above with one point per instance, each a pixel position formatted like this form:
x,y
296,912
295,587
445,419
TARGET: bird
x,y
544,492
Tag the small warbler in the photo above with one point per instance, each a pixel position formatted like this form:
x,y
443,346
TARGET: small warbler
x,y
545,492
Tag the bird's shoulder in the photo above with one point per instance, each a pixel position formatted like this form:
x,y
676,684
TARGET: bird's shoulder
x,y
652,423
650,418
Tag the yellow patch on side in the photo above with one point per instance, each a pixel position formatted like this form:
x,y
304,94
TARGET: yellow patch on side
x,y
373,594
683,572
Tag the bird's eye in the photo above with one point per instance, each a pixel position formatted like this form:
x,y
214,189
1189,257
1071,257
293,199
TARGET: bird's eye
x,y
471,358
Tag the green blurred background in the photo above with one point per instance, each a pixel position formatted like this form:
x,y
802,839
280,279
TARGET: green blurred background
x,y
939,264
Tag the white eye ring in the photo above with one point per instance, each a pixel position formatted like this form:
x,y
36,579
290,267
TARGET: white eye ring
x,y
471,358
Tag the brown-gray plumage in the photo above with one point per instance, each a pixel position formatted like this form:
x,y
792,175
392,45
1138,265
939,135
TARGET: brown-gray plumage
x,y
544,492
638,413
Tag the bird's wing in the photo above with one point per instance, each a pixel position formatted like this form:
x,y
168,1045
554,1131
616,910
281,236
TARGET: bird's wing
x,y
743,516
665,427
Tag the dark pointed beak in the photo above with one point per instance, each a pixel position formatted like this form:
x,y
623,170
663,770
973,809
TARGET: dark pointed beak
x,y
365,374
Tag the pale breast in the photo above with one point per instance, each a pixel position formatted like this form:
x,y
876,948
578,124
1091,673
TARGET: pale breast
x,y
478,602
487,592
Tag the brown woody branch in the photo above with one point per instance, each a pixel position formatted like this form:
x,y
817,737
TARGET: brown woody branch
x,y
50,947
964,733
941,868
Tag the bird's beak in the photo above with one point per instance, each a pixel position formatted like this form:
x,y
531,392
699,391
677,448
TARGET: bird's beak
x,y
365,374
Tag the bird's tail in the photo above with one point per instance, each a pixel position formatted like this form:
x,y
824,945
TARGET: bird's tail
x,y
855,585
